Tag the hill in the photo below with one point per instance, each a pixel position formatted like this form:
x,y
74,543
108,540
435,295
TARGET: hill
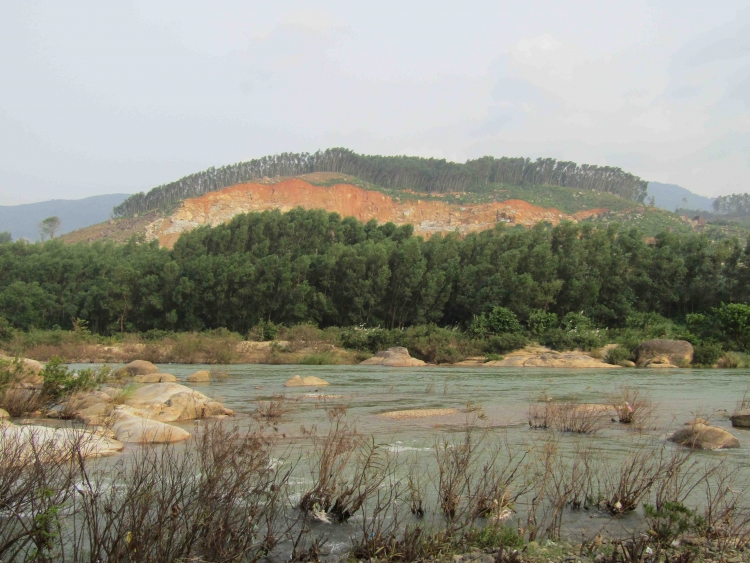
x,y
671,197
22,220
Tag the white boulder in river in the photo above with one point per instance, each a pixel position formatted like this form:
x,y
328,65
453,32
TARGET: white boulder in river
x,y
46,442
397,357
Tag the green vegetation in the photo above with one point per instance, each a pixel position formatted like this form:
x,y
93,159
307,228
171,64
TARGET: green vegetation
x,y
428,175
571,286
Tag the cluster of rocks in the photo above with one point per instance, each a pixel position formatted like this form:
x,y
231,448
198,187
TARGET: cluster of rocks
x,y
115,416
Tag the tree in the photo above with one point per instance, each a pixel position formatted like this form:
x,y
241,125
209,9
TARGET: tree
x,y
49,226
5,237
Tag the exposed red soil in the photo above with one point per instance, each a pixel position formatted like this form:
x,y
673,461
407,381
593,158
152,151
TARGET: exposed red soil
x,y
427,216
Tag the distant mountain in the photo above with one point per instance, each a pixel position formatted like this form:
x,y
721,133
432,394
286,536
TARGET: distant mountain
x,y
670,197
23,220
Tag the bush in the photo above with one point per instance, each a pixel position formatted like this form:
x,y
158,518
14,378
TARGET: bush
x,y
576,321
733,360
707,353
540,322
499,321
7,332
504,343
616,355
59,381
733,320
434,344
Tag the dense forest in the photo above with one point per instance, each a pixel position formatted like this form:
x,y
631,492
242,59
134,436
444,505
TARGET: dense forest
x,y
314,266
403,172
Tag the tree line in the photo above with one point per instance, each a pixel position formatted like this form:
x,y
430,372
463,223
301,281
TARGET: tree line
x,y
313,266
734,204
404,172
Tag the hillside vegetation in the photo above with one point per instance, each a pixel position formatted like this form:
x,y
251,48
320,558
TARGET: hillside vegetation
x,y
427,175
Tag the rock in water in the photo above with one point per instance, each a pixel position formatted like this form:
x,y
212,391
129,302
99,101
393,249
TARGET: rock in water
x,y
155,378
136,367
704,437
129,427
397,357
677,352
172,402
45,443
308,381
201,376
549,359
741,419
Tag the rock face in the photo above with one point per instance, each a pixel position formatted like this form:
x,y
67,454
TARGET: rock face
x,y
172,402
308,381
704,437
155,378
130,427
677,352
550,360
201,376
397,357
427,216
55,443
136,367
741,419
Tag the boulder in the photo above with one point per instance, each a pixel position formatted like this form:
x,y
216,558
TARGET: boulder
x,y
172,402
30,366
659,363
136,367
307,381
550,360
155,378
741,419
704,437
626,364
417,413
677,352
201,376
397,357
53,443
130,427
4,413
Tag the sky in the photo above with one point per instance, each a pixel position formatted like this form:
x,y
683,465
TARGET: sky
x,y
121,96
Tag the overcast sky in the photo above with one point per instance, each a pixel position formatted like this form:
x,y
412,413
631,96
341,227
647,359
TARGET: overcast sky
x,y
102,97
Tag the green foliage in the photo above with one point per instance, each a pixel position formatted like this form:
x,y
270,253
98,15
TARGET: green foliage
x,y
424,174
262,271
707,353
504,343
6,330
540,322
616,355
733,319
576,321
320,359
670,521
494,536
59,381
5,237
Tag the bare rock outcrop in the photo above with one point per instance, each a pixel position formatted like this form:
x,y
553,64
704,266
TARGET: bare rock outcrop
x,y
45,442
130,426
549,359
741,418
136,367
172,402
700,436
677,352
155,378
307,381
202,376
397,357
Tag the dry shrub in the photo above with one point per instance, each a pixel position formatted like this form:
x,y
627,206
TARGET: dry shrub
x,y
634,407
273,409
726,512
567,416
347,469
19,401
626,483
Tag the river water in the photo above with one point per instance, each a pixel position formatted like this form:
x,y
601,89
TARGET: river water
x,y
504,395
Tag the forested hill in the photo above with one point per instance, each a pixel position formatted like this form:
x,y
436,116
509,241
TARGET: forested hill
x,y
428,175
22,221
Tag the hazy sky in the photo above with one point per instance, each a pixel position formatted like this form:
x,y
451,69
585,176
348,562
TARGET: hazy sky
x,y
101,97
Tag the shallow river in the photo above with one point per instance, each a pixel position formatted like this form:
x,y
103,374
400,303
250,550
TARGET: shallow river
x,y
504,395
